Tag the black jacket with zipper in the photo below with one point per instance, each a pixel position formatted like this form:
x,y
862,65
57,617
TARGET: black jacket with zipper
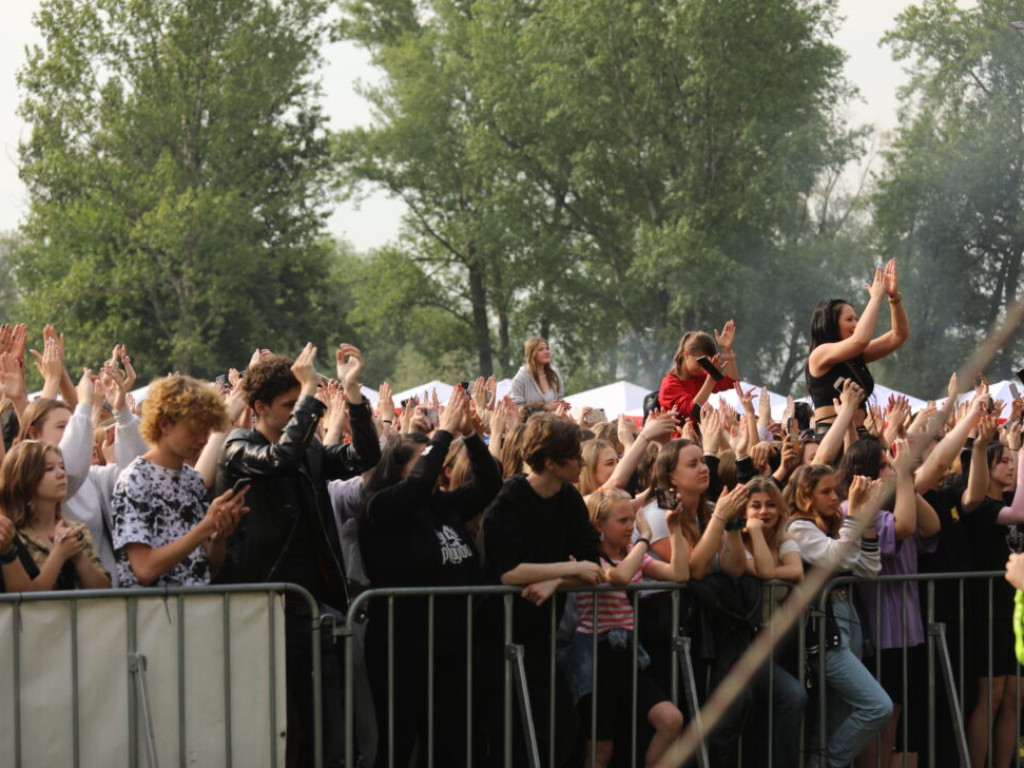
x,y
289,533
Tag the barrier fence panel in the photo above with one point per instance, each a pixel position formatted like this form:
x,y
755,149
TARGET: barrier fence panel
x,y
530,723
190,676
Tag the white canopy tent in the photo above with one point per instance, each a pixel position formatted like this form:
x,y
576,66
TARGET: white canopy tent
x,y
617,398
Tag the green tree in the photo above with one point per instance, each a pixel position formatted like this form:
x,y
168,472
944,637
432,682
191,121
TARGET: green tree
x,y
949,203
615,173
177,173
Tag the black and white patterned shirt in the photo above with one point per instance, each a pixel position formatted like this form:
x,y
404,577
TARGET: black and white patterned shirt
x,y
154,505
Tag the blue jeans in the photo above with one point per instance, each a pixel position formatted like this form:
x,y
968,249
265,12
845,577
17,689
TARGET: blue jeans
x,y
858,708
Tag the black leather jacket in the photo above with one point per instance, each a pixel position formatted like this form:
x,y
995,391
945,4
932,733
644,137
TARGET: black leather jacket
x,y
289,480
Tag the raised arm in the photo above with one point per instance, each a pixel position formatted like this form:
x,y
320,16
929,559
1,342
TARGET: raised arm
x,y
978,477
716,538
824,356
892,339
657,429
848,401
943,455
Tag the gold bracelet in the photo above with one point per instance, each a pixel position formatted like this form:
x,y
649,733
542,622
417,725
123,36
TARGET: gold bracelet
x,y
894,300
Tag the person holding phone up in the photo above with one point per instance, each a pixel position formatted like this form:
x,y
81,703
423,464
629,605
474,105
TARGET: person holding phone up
x,y
699,369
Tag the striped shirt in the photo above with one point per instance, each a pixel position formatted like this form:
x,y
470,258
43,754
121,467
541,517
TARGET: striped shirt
x,y
614,609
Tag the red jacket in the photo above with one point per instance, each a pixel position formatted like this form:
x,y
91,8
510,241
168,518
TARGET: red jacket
x,y
680,393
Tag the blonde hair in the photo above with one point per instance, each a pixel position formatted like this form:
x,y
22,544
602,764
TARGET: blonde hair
x,y
600,503
591,452
182,399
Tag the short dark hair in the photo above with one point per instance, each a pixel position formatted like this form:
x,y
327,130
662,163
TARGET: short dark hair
x,y
825,321
548,436
269,378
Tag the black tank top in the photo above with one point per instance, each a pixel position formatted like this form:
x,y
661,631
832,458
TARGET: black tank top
x,y
822,388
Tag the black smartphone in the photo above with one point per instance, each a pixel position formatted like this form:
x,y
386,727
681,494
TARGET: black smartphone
x,y
240,485
465,386
708,366
1020,375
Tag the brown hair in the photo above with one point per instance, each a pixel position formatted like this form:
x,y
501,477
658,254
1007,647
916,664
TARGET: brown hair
x,y
530,348
609,432
548,436
693,521
799,496
22,470
761,484
182,399
270,377
692,341
591,450
35,414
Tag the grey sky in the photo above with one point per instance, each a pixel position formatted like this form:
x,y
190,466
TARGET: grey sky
x,y
871,68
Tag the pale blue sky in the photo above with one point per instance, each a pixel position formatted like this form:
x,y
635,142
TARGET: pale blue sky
x,y
869,67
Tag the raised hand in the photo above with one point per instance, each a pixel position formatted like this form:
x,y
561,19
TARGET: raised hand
x,y
349,364
890,280
876,288
454,417
727,336
112,382
864,496
12,377
852,394
386,403
304,369
732,503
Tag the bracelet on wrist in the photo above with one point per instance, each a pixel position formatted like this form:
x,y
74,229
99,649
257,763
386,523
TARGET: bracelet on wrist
x,y
896,299
645,540
720,519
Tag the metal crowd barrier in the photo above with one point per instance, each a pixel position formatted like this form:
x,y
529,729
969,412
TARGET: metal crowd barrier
x,y
130,677
946,675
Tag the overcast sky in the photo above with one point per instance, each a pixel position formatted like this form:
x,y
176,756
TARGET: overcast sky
x,y
871,68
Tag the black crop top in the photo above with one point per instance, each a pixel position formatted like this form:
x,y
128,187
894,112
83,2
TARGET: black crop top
x,y
822,388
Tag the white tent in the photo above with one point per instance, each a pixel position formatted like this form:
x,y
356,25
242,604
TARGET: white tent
x,y
620,397
423,392
882,394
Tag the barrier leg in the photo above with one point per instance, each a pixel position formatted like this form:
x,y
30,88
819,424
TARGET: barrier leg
x,y
937,631
137,669
681,647
514,657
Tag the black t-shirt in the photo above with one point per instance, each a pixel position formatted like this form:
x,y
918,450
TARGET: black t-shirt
x,y
989,551
522,527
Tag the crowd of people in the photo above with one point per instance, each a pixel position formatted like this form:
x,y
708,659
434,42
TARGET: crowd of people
x,y
280,474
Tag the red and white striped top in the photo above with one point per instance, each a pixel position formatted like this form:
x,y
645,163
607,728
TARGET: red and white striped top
x,y
614,609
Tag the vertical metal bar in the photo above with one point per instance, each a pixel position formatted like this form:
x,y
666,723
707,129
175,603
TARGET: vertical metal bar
x,y
180,639
877,740
938,631
682,647
673,658
932,692
75,738
349,683
318,714
593,678
391,681
137,671
226,646
991,699
552,633
635,666
17,682
822,650
469,680
801,672
430,682
515,654
907,714
272,642
508,683
133,702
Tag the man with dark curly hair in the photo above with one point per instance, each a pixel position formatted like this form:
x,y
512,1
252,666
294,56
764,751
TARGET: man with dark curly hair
x,y
290,533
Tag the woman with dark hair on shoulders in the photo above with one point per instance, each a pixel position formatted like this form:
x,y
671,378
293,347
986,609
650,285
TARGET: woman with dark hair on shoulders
x,y
842,345
688,386
536,382
414,535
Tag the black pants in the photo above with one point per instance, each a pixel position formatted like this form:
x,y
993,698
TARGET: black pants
x,y
299,683
409,696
